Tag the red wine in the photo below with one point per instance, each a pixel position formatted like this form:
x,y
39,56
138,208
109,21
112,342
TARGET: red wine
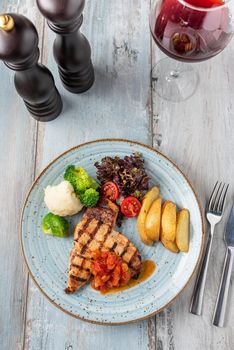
x,y
205,3
190,34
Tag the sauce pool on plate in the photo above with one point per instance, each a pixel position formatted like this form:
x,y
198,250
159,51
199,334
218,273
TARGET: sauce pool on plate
x,y
148,268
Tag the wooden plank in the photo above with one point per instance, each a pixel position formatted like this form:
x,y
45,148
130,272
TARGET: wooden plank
x,y
198,135
18,143
116,106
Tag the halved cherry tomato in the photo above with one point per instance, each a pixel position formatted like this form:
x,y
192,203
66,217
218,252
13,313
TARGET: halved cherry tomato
x,y
130,206
110,191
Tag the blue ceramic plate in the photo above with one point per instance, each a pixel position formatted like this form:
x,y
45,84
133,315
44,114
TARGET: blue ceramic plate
x,y
47,257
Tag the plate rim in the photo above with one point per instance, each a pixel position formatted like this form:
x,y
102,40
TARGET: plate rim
x,y
172,301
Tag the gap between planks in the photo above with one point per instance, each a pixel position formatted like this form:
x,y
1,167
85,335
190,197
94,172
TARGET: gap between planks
x,y
35,171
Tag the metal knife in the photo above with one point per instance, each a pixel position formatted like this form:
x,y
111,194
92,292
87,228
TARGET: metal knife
x,y
221,302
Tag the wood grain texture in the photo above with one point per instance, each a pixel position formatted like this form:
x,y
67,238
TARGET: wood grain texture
x,y
18,147
198,135
116,106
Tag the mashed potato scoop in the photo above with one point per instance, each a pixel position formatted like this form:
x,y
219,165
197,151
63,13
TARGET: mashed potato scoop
x,y
61,199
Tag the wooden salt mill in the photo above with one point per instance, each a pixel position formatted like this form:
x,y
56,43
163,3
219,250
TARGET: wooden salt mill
x,y
33,81
71,48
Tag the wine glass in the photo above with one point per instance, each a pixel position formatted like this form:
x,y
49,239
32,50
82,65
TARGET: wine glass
x,y
187,33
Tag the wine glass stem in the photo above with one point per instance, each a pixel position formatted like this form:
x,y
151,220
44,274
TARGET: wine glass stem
x,y
176,71
174,81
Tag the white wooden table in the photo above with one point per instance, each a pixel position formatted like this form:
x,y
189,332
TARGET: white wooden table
x,y
198,134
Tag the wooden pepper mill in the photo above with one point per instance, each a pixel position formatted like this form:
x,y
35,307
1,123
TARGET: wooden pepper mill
x,y
33,81
71,48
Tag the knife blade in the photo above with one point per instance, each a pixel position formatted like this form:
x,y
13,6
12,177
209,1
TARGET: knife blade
x,y
222,298
229,235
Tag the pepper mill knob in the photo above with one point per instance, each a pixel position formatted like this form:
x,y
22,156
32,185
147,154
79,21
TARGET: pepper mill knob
x,y
6,23
71,49
33,81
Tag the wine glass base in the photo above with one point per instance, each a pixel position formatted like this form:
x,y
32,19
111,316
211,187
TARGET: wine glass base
x,y
173,80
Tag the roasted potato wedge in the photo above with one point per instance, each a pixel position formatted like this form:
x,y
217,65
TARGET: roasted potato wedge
x,y
153,220
148,199
170,245
182,230
168,221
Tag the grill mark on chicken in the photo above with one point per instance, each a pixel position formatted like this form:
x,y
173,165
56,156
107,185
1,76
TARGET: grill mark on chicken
x,y
92,235
124,251
86,264
95,232
79,231
76,286
129,252
78,266
102,232
105,237
76,282
85,236
123,247
131,261
77,278
114,246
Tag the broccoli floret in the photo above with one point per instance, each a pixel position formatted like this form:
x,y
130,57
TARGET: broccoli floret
x,y
70,175
89,198
55,225
79,179
84,186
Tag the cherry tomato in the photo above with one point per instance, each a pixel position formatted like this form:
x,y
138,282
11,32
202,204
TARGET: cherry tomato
x,y
110,191
130,206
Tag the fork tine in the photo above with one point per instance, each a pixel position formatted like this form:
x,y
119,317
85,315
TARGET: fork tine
x,y
212,196
219,197
216,199
222,202
215,196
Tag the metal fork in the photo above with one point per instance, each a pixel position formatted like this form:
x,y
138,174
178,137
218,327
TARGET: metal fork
x,y
214,213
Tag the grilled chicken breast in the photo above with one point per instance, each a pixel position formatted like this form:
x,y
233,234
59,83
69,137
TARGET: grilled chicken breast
x,y
95,232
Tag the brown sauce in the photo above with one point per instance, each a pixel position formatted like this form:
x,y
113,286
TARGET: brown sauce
x,y
147,270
